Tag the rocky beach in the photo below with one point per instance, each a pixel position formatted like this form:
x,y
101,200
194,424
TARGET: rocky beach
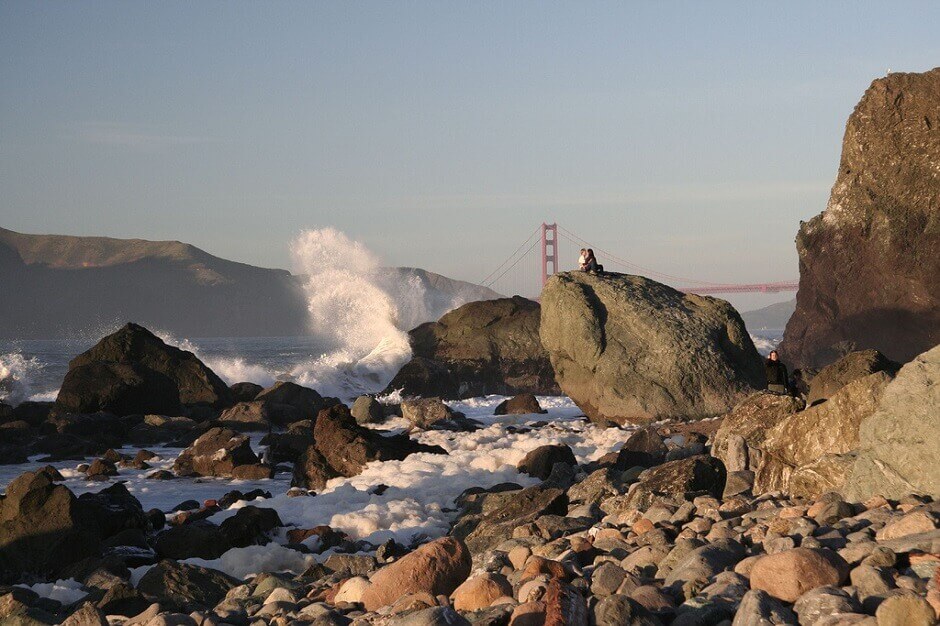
x,y
608,455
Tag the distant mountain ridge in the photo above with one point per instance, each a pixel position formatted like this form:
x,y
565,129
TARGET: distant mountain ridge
x,y
773,317
61,285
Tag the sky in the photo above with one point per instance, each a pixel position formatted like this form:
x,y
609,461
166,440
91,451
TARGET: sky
x,y
687,137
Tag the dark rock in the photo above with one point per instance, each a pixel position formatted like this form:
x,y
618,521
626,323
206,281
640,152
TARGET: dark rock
x,y
423,377
200,539
523,404
184,587
246,416
253,471
627,349
234,496
245,392
215,453
196,383
480,348
851,367
870,263
101,467
540,461
44,527
677,481
644,448
119,388
12,455
86,615
31,412
489,518
347,447
305,401
312,470
123,599
706,562
287,447
250,526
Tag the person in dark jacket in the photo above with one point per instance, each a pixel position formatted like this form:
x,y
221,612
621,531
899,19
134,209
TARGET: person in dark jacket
x,y
777,379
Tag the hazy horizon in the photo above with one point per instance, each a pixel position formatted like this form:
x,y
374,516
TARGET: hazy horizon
x,y
688,138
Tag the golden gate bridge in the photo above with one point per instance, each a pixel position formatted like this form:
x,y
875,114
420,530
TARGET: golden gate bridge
x,y
548,264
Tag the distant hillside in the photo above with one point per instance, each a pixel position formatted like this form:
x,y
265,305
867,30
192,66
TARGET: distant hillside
x,y
56,286
774,316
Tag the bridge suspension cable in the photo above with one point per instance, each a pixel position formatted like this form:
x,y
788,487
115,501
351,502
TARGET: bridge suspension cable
x,y
489,280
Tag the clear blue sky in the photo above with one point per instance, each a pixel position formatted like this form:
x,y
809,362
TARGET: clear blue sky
x,y
691,137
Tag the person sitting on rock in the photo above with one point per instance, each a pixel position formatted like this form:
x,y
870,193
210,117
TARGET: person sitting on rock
x,y
591,262
777,380
582,260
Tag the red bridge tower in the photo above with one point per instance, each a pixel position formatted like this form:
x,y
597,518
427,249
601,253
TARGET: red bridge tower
x,y
549,251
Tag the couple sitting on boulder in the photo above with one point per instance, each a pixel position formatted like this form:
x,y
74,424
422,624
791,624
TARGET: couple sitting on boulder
x,y
588,262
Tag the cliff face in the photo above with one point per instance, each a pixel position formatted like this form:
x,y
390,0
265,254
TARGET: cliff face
x,y
870,263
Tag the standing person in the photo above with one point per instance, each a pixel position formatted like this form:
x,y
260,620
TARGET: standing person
x,y
582,260
777,379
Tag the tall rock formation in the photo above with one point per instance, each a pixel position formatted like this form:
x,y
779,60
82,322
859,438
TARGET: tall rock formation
x,y
870,263
627,349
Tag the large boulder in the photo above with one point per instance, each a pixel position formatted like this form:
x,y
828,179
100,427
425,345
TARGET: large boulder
x,y
851,367
306,402
342,448
807,437
45,528
788,575
436,568
627,349
197,385
118,388
215,453
870,263
480,348
899,451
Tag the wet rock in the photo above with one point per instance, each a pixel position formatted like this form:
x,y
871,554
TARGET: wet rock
x,y
437,568
788,575
540,461
623,360
306,402
186,587
201,539
367,410
133,344
245,392
522,404
87,615
250,526
118,388
426,412
215,453
251,415
480,348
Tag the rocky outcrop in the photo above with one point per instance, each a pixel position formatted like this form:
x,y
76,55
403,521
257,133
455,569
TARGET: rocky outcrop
x,y
196,384
480,348
830,379
899,451
342,448
795,450
627,349
870,263
117,388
